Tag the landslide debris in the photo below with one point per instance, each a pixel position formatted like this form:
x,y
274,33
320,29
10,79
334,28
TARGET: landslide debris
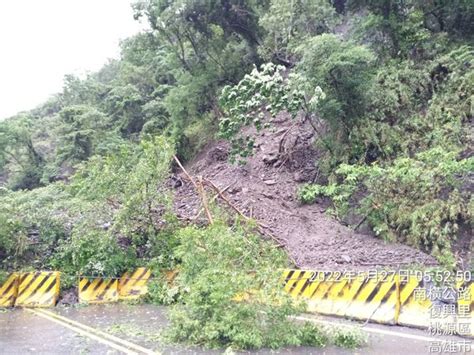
x,y
265,188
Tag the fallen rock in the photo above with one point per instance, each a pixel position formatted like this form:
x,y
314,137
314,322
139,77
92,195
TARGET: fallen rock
x,y
299,177
235,190
176,181
218,154
270,158
68,297
346,258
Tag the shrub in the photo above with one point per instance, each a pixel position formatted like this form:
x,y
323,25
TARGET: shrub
x,y
348,338
417,201
344,70
220,265
93,253
29,225
114,211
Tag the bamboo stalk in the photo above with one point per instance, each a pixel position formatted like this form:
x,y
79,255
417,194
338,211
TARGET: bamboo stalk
x,y
202,192
219,192
212,200
199,189
185,172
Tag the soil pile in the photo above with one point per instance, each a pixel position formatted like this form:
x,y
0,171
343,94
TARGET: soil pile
x,y
265,188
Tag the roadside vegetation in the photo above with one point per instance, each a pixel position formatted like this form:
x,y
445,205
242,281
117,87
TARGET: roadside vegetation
x,y
387,87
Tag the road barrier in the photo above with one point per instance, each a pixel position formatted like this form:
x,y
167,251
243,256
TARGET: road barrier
x,y
383,297
134,285
38,289
415,306
41,288
9,291
406,298
98,290
130,286
358,297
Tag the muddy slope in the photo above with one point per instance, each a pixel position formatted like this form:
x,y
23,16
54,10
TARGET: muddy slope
x,y
266,189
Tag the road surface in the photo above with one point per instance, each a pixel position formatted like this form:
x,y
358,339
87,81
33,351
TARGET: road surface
x,y
134,329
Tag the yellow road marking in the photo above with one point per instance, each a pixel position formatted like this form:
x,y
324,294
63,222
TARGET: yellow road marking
x,y
84,333
95,334
374,330
100,333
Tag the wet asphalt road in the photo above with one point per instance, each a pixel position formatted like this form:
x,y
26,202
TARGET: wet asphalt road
x,y
23,332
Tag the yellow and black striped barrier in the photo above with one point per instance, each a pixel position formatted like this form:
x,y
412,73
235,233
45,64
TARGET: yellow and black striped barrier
x,y
9,291
383,297
41,288
386,297
131,286
134,285
38,289
357,297
98,290
415,305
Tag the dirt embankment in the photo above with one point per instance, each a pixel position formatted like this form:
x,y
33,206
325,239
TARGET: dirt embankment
x,y
265,188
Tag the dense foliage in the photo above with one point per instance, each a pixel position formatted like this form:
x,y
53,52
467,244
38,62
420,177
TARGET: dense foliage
x,y
232,296
393,101
109,218
387,86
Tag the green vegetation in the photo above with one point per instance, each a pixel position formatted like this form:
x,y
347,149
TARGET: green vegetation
x,y
231,294
387,87
218,265
417,201
391,112
108,219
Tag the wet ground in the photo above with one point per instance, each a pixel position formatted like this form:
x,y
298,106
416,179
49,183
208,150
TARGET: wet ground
x,y
265,188
24,332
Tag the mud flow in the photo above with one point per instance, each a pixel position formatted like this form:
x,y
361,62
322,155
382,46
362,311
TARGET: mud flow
x,y
265,188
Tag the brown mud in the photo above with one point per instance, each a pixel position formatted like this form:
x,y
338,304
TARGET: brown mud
x,y
265,188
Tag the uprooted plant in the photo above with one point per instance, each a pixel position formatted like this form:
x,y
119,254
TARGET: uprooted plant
x,y
232,294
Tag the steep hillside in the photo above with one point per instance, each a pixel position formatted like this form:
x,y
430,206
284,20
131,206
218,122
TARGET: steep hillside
x,y
344,128
265,187
375,167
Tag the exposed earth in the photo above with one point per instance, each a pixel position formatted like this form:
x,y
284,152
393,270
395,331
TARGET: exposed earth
x,y
265,188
